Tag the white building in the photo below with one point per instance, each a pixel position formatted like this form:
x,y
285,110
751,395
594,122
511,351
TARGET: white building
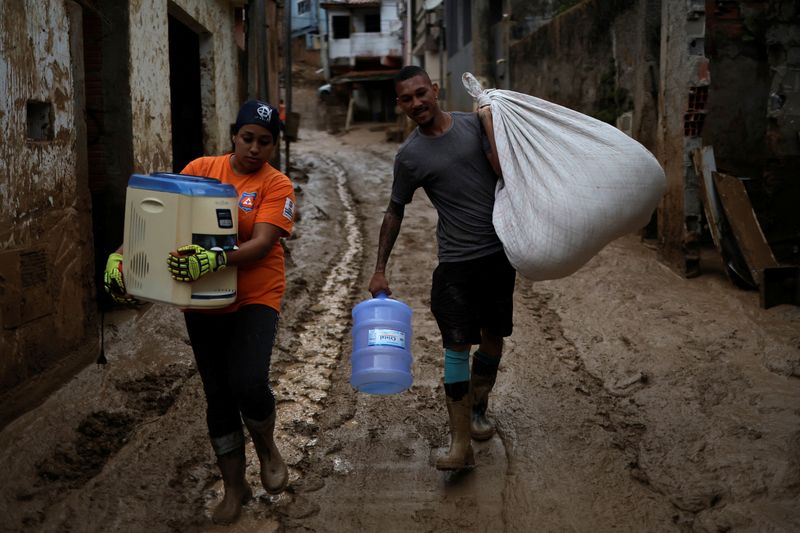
x,y
363,34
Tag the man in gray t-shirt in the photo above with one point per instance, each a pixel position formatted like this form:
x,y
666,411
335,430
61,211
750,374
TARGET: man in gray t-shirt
x,y
453,158
465,229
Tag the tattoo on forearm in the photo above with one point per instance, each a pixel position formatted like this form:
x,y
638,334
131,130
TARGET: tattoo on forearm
x,y
389,231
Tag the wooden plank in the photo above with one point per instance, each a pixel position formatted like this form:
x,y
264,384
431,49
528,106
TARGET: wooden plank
x,y
744,224
735,265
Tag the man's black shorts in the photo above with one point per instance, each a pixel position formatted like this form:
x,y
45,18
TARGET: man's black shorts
x,y
470,295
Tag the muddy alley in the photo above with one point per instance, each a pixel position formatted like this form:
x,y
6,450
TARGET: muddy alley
x,y
629,398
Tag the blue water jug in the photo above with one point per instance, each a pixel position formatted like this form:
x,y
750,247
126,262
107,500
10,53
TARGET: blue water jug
x,y
381,359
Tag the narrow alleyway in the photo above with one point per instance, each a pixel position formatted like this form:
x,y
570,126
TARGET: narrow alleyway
x,y
630,399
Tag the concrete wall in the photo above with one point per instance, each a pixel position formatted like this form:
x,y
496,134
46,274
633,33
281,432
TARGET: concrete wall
x,y
594,58
729,78
46,289
458,35
684,69
54,164
149,74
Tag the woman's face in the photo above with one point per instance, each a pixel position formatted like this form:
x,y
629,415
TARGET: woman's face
x,y
252,147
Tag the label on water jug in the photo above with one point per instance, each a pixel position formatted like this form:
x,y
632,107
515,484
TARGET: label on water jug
x,y
386,337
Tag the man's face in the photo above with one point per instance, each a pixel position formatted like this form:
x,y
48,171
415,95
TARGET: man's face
x,y
417,98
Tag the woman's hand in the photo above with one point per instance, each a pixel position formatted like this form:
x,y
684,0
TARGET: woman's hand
x,y
191,262
264,237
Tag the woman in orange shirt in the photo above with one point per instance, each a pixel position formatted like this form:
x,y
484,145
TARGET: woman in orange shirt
x,y
233,346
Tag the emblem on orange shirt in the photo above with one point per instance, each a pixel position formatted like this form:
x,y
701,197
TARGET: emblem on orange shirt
x,y
247,201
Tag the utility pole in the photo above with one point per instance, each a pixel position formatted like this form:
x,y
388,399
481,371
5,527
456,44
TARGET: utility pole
x,y
287,75
322,21
257,75
408,32
481,39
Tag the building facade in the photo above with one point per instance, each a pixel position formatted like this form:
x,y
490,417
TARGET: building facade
x,y
91,92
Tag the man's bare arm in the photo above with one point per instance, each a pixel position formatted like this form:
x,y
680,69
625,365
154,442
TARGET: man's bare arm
x,y
485,116
390,229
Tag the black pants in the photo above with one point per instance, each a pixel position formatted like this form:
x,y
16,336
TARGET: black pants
x,y
233,352
468,296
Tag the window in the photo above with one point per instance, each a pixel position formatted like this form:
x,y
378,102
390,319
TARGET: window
x,y
303,6
40,121
372,23
341,27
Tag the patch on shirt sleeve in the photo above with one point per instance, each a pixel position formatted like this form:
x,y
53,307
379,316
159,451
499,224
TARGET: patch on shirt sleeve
x,y
288,209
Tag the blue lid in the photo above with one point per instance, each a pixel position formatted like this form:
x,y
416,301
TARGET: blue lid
x,y
182,184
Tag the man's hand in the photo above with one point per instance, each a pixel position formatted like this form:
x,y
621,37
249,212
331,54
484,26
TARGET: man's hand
x,y
113,282
193,261
379,284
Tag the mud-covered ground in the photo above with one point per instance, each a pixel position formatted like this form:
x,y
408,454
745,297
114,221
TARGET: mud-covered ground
x,y
629,399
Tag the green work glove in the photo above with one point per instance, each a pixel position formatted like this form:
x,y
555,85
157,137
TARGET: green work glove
x,y
193,261
114,283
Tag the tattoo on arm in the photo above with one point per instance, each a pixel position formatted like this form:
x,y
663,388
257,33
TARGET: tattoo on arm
x,y
390,228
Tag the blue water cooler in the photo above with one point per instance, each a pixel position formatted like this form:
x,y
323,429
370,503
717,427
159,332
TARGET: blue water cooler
x,y
381,358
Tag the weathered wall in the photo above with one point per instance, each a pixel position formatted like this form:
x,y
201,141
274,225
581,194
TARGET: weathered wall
x,y
458,37
47,295
729,77
599,58
150,97
46,291
754,54
683,67
457,98
150,91
215,22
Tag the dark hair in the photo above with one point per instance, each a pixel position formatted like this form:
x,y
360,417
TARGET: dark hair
x,y
409,71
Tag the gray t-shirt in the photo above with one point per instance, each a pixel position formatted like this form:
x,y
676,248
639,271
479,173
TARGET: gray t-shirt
x,y
459,180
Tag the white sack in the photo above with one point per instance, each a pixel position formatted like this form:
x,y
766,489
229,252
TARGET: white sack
x,y
571,184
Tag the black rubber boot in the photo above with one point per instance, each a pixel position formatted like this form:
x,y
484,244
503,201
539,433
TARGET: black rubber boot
x,y
237,490
481,382
274,474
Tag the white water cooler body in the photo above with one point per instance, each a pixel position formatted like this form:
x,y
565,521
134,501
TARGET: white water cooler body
x,y
165,211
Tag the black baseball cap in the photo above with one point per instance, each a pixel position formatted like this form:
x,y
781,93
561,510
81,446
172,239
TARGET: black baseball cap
x,y
261,114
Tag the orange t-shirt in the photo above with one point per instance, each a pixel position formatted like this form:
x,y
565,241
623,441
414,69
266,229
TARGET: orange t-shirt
x,y
264,196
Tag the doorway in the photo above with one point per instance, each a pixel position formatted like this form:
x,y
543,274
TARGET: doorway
x,y
185,94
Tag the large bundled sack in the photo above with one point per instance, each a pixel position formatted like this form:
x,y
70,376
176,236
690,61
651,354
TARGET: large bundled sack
x,y
571,184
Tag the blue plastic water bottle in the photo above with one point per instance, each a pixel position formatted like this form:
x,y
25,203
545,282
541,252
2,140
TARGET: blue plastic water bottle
x,y
381,359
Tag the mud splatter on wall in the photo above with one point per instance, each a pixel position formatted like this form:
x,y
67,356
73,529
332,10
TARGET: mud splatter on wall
x,y
76,126
46,296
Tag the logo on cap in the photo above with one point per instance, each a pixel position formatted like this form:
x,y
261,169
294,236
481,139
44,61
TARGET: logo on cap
x,y
265,112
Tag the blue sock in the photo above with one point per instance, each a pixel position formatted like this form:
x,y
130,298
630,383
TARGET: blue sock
x,y
456,366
